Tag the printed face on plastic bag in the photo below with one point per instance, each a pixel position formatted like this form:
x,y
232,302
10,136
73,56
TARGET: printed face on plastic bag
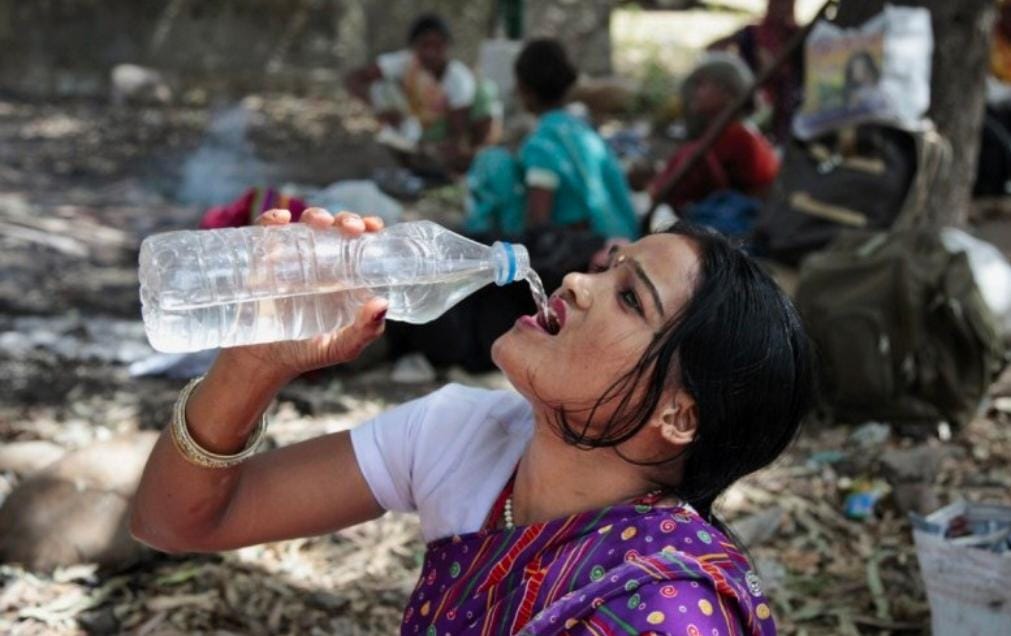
x,y
879,72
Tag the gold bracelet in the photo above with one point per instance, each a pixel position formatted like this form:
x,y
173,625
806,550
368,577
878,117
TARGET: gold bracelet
x,y
195,453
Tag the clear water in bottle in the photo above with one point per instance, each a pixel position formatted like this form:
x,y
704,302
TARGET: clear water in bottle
x,y
236,286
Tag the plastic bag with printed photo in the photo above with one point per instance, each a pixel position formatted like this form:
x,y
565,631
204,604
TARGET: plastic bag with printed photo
x,y
879,72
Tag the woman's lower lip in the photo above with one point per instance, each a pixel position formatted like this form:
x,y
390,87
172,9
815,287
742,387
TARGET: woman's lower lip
x,y
530,323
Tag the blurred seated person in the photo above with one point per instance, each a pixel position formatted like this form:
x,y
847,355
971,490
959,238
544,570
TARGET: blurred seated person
x,y
759,45
564,175
741,160
435,113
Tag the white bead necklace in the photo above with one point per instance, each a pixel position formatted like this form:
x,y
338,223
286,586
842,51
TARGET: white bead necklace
x,y
507,513
507,508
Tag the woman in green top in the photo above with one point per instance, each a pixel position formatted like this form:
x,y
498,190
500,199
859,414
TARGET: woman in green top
x,y
564,175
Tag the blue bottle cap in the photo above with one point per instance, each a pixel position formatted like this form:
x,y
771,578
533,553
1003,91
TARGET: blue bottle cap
x,y
511,262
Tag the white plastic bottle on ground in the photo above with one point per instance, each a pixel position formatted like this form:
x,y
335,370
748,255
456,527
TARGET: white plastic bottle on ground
x,y
221,288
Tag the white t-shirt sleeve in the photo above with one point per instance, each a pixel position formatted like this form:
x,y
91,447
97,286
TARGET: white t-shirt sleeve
x,y
445,456
459,85
384,449
394,65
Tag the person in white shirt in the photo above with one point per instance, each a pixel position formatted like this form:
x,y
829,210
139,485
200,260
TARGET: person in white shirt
x,y
583,499
425,99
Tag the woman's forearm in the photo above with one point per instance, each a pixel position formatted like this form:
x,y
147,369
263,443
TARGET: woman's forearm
x,y
224,408
178,503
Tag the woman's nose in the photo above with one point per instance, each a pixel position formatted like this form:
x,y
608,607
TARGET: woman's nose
x,y
578,287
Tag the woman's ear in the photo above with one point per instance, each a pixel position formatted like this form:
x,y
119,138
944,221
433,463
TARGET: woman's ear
x,y
679,423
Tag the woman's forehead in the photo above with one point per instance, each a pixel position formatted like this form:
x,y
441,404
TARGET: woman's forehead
x,y
671,261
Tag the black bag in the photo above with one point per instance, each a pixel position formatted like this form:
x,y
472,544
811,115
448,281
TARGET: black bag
x,y
902,331
856,179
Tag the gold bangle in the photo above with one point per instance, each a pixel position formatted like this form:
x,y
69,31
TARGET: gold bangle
x,y
196,454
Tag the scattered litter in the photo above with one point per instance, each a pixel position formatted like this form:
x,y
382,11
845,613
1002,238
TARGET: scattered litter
x,y
413,368
860,503
823,572
825,458
871,434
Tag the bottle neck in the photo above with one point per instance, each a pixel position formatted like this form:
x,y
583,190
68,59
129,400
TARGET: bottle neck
x,y
512,262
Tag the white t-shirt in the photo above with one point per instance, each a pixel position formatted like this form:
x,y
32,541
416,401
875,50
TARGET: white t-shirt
x,y
446,456
457,80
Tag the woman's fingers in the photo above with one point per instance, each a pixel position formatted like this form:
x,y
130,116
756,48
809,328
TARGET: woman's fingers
x,y
274,217
349,223
317,218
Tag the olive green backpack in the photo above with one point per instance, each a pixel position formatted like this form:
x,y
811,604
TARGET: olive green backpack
x,y
901,329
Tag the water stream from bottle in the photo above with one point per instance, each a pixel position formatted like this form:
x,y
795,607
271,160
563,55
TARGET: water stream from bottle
x,y
544,311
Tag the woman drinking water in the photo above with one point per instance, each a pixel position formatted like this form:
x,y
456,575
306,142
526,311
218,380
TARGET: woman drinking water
x,y
581,503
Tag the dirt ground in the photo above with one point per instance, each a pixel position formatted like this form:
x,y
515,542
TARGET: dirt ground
x,y
80,185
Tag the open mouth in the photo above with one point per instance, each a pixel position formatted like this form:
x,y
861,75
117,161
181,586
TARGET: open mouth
x,y
553,318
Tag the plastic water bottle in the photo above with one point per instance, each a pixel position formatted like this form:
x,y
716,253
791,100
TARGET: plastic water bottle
x,y
237,286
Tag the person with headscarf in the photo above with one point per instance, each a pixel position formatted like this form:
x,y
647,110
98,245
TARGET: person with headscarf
x,y
741,160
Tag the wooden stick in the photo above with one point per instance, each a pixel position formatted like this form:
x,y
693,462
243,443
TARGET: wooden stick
x,y
724,119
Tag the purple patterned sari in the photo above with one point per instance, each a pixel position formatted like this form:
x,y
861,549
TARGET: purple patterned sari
x,y
630,569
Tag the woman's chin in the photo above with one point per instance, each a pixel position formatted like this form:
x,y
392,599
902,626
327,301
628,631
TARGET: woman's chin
x,y
507,354
502,353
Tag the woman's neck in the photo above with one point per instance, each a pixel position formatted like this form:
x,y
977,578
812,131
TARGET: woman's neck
x,y
555,479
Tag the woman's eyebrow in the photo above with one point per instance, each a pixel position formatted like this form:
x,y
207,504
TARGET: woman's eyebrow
x,y
641,274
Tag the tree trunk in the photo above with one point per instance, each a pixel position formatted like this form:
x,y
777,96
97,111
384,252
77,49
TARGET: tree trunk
x,y
962,30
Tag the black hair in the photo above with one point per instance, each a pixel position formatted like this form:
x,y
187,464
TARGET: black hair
x,y
738,347
428,23
544,68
